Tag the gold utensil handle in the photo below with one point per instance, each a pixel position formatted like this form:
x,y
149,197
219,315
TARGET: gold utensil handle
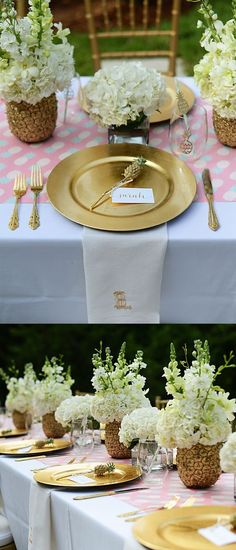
x,y
95,495
213,222
14,220
30,458
34,221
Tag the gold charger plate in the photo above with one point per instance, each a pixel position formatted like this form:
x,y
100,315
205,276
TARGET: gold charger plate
x,y
13,449
168,105
56,476
13,433
177,529
78,180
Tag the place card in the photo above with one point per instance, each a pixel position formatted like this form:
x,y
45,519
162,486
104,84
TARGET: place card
x,y
81,479
133,195
24,449
218,534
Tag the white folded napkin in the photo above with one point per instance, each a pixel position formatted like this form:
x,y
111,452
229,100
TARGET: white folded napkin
x,y
123,273
40,530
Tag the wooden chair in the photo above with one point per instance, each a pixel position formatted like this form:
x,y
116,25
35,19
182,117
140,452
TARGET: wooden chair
x,y
132,19
21,7
160,403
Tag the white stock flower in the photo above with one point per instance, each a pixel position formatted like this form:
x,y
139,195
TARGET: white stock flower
x,y
139,424
122,93
73,408
52,389
228,454
21,391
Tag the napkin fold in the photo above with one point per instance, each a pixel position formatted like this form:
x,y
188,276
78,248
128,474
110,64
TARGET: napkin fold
x,y
40,525
123,273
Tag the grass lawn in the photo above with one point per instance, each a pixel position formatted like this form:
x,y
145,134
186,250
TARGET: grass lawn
x,y
189,49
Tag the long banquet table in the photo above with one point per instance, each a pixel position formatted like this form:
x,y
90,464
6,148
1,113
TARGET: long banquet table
x,y
42,276
92,524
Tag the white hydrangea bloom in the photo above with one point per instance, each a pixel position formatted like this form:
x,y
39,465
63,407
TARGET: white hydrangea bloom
x,y
73,408
123,92
36,58
139,424
199,411
21,391
228,454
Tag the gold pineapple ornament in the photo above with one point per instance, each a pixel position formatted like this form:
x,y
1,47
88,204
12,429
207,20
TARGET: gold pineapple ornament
x,y
103,469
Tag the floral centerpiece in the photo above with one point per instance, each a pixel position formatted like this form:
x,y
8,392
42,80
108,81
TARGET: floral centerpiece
x,y
74,408
36,60
215,75
50,391
198,418
20,395
119,389
140,424
121,97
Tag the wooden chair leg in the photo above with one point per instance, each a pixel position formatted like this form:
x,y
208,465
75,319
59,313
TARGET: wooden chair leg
x,y
21,7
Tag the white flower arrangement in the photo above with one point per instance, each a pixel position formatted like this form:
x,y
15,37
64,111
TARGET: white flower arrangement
x,y
140,424
36,58
21,391
74,408
124,93
228,454
215,74
200,411
53,388
119,386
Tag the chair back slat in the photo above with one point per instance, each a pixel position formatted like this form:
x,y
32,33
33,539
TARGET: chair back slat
x,y
132,19
118,13
158,12
131,14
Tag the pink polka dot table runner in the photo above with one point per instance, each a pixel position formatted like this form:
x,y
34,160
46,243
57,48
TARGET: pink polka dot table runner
x,y
80,132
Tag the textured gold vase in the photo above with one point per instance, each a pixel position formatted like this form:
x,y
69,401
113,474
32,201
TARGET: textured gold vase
x,y
32,123
199,466
115,448
51,427
225,129
19,419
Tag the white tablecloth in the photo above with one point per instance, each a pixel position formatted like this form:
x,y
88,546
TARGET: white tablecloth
x,y
88,524
42,274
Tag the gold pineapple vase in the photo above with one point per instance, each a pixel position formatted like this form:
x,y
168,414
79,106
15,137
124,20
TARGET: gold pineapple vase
x,y
115,448
199,466
51,427
32,123
225,129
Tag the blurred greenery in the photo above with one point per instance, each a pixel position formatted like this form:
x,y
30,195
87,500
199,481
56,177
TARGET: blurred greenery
x,y
189,48
31,343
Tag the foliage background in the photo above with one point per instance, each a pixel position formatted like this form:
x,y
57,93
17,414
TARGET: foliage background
x,y
20,344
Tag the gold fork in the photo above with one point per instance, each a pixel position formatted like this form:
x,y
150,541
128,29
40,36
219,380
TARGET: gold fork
x,y
36,186
19,189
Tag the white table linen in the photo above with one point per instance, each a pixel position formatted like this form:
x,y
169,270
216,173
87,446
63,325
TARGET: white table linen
x,y
42,272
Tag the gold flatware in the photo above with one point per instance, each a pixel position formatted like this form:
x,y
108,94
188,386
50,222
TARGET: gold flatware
x,y
52,465
19,189
29,458
167,506
36,186
109,493
130,173
213,222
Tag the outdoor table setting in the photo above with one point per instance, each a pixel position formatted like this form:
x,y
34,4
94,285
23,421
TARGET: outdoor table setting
x,y
72,491
58,238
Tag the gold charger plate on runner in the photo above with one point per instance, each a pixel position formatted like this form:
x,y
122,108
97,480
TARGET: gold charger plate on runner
x,y
14,448
177,529
80,179
12,432
58,476
168,105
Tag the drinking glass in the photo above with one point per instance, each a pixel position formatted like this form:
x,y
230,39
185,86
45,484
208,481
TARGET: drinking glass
x,y
82,436
2,416
151,456
188,133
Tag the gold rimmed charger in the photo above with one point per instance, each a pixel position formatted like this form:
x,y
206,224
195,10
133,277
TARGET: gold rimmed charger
x,y
14,432
80,179
17,448
167,107
60,475
177,529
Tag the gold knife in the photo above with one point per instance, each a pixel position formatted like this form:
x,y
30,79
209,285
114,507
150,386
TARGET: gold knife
x,y
109,493
213,222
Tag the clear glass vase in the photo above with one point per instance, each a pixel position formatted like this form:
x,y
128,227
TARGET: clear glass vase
x,y
130,133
